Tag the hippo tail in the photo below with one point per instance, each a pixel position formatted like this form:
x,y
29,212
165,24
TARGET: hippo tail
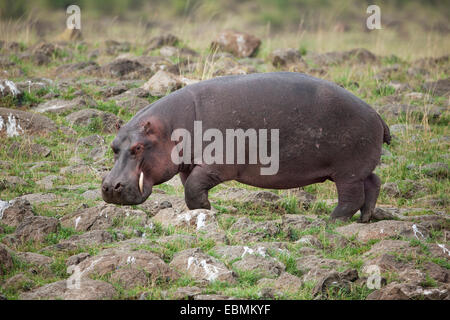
x,y
386,131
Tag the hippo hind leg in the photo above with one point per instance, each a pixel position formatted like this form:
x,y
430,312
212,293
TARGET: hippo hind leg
x,y
371,191
350,199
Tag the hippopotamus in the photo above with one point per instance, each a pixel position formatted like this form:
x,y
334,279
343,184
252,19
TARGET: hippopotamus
x,y
324,133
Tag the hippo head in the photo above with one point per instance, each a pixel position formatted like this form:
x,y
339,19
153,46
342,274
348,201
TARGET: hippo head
x,y
142,160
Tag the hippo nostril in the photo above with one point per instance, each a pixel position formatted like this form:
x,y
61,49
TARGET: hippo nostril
x,y
118,187
105,188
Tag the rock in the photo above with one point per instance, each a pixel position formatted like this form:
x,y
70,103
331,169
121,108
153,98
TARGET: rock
x,y
16,122
79,68
382,230
391,189
229,66
310,240
402,128
285,283
36,228
397,109
9,88
183,293
431,62
115,90
246,231
406,291
37,198
162,83
132,104
307,251
18,282
120,67
132,100
90,238
162,40
230,253
385,152
196,219
387,72
304,199
201,266
47,182
434,222
70,35
411,188
202,221
6,261
404,270
88,290
131,277
153,64
380,214
213,232
68,132
35,258
46,48
15,212
114,47
439,250
160,201
12,182
60,106
5,165
439,88
87,117
127,266
213,297
240,44
91,141
178,238
359,55
261,197
170,51
264,266
258,198
291,223
335,281
77,258
28,149
288,59
335,241
314,267
436,169
92,194
100,217
437,272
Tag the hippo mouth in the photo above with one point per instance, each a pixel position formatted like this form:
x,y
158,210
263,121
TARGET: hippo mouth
x,y
127,192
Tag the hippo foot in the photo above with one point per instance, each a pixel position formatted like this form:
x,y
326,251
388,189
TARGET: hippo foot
x,y
371,191
364,219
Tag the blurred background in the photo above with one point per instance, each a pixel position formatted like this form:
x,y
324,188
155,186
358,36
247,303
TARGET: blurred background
x,y
411,29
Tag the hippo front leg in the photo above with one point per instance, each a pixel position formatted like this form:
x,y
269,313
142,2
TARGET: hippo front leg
x,y
197,185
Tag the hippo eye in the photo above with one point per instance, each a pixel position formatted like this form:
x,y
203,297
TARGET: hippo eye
x,y
135,150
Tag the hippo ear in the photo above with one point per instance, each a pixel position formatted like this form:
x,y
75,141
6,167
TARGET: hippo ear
x,y
118,125
148,128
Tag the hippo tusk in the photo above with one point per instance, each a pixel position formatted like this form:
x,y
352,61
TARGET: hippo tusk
x,y
141,182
